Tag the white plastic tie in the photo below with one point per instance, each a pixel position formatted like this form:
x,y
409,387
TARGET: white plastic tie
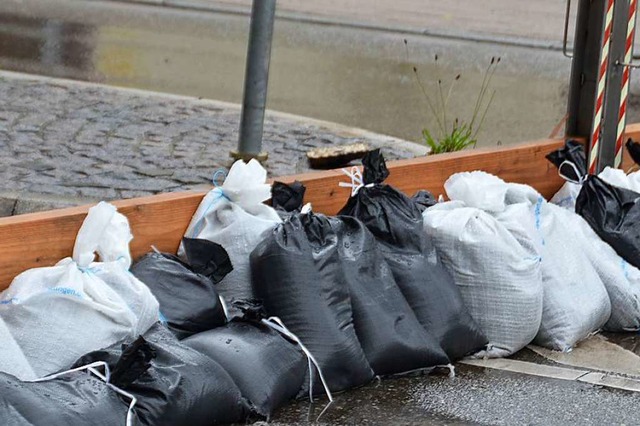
x,y
580,180
452,370
225,309
306,208
357,181
106,377
276,324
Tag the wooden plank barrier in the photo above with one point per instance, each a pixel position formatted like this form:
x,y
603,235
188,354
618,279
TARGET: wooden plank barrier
x,y
42,239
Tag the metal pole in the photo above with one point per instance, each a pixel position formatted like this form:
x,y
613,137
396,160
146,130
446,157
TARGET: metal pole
x,y
585,68
256,81
613,87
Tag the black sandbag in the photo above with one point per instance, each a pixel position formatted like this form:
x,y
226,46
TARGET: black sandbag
x,y
287,198
614,213
74,399
424,200
392,338
268,368
188,299
179,385
294,272
396,222
572,152
634,150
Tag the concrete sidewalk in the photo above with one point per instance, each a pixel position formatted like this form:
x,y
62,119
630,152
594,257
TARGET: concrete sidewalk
x,y
66,142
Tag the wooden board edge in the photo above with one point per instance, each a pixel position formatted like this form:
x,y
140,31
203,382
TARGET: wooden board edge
x,y
41,239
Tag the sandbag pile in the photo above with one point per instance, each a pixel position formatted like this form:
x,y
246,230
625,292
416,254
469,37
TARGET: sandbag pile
x,y
266,304
51,316
267,367
296,273
499,275
173,384
571,163
621,279
189,301
342,262
79,398
613,212
234,216
396,222
575,301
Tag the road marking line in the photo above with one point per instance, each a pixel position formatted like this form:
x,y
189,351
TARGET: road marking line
x,y
610,381
529,368
560,373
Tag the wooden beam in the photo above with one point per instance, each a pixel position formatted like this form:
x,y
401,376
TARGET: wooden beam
x,y
42,239
524,163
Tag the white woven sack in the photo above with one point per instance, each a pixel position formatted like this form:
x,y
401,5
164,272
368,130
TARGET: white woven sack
x,y
59,313
567,195
499,278
234,216
575,302
12,359
621,280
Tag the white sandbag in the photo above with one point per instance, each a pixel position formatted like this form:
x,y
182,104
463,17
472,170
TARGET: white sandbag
x,y
567,195
634,181
234,216
11,356
621,280
57,314
499,278
575,302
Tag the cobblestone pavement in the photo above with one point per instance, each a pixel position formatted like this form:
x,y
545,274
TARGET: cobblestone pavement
x,y
87,142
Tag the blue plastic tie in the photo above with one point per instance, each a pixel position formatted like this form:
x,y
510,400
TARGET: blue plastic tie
x,y
216,176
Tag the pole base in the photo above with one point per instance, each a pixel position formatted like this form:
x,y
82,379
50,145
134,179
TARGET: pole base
x,y
246,157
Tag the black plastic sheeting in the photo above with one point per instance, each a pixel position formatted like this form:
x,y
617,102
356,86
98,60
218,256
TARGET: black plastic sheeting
x,y
294,272
268,369
75,399
392,338
424,200
186,292
634,151
287,199
174,384
614,213
396,222
572,152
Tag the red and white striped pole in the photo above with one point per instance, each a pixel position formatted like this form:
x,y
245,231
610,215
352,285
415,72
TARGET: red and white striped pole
x,y
628,57
602,79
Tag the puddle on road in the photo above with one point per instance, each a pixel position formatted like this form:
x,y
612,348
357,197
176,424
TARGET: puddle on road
x,y
371,405
349,76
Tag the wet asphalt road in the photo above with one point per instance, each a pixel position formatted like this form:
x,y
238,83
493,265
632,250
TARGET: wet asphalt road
x,y
474,396
352,76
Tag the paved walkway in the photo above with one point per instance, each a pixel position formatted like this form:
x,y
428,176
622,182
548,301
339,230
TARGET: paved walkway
x,y
75,142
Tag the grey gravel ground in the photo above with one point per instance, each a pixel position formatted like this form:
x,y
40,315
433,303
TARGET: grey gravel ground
x,y
74,142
